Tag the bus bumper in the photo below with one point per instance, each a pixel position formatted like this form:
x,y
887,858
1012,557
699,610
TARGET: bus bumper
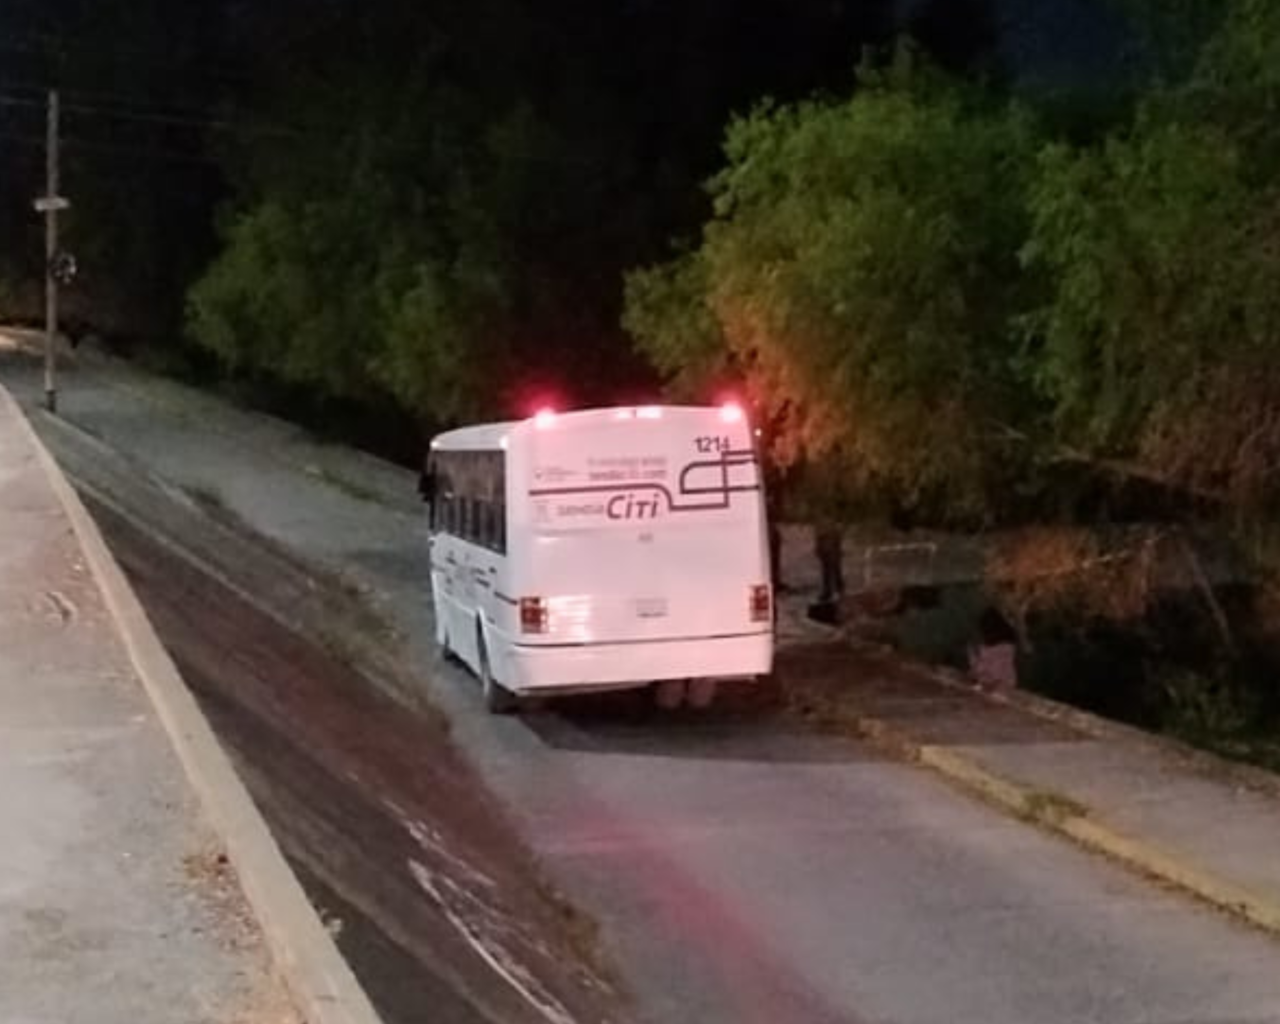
x,y
586,667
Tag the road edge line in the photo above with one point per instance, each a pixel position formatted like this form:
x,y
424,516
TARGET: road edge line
x,y
324,988
1078,823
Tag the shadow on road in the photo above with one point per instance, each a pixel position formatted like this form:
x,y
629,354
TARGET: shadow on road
x,y
747,724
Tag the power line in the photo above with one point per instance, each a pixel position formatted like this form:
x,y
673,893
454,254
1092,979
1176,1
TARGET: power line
x,y
206,123
245,130
39,92
115,148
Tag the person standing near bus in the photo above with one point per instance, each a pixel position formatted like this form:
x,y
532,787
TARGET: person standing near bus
x,y
828,546
773,513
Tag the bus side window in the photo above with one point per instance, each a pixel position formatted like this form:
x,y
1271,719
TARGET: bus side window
x,y
491,531
461,518
486,480
477,522
471,528
496,493
448,513
482,522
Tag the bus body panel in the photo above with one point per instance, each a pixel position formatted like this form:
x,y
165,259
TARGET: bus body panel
x,y
640,533
584,667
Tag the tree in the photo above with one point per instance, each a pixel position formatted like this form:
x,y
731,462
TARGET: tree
x,y
1157,345
461,186
860,274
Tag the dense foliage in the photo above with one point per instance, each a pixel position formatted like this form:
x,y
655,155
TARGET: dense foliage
x,y
966,301
1158,340
860,276
958,284
449,225
426,207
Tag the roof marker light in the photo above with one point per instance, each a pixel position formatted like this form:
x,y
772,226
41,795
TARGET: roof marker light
x,y
544,418
649,412
731,412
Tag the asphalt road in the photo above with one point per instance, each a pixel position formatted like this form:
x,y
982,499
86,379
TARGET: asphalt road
x,y
742,868
384,823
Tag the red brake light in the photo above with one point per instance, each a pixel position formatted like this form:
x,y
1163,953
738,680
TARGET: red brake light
x,y
760,603
534,616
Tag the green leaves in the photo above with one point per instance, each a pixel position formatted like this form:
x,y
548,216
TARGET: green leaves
x,y
1159,333
1135,236
953,307
859,273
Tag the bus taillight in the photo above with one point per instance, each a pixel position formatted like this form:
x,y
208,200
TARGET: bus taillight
x,y
534,617
760,603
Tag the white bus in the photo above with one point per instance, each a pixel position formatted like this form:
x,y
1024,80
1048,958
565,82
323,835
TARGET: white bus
x,y
603,549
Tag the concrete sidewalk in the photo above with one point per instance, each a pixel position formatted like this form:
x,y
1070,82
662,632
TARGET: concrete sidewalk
x,y
117,903
1187,818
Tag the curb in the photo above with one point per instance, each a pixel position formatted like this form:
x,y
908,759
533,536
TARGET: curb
x,y
1058,813
321,982
1238,774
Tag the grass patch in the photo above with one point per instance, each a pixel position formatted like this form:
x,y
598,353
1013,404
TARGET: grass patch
x,y
1047,807
1257,750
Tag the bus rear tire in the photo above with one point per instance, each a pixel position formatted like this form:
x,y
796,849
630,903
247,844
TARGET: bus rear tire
x,y
669,694
498,700
701,693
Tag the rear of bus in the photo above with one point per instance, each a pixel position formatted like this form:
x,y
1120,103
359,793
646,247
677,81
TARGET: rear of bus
x,y
642,551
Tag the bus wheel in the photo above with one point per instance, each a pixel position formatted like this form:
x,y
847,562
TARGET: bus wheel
x,y
669,694
701,693
498,700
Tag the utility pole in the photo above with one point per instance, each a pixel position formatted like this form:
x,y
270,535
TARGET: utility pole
x,y
50,251
59,267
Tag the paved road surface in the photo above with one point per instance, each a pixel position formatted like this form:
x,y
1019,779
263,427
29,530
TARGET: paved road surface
x,y
743,871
